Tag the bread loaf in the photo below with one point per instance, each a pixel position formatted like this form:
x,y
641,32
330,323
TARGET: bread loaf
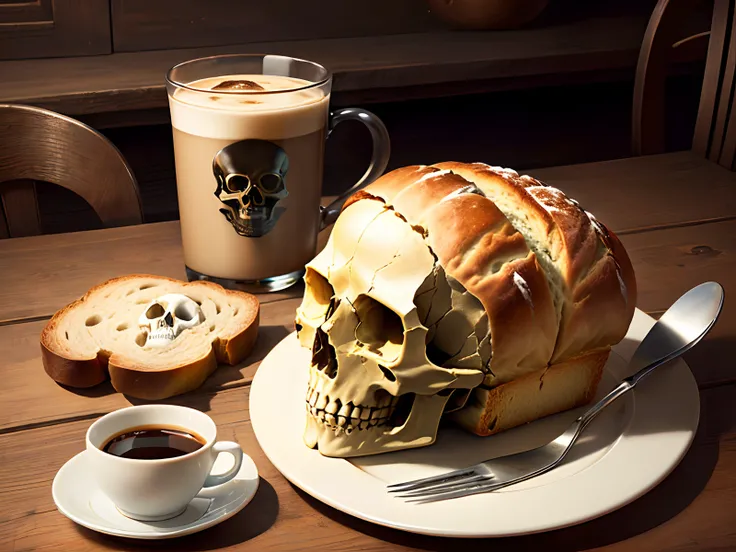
x,y
557,285
588,271
100,336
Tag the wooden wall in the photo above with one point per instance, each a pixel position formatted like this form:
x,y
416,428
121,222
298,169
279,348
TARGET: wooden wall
x,y
519,129
54,28
61,28
145,25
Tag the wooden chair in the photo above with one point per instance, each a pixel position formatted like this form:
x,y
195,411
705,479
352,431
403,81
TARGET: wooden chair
x,y
715,129
690,186
37,144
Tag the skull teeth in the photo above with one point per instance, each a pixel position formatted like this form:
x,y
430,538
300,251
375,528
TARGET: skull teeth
x,y
348,417
346,410
320,401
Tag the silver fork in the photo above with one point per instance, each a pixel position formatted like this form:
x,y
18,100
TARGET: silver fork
x,y
684,324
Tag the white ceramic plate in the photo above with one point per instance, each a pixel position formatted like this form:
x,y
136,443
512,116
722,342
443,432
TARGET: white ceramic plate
x,y
623,454
79,499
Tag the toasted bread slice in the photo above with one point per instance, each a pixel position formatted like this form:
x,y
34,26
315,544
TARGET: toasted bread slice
x,y
98,336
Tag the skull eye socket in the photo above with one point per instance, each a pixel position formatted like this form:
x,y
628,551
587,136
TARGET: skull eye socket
x,y
317,297
184,312
235,183
323,354
270,183
155,311
379,329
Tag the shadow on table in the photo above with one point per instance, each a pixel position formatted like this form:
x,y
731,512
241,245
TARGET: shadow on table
x,y
712,360
101,390
256,518
659,505
268,337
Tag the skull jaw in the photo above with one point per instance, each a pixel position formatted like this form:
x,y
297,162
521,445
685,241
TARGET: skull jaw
x,y
419,430
160,337
254,224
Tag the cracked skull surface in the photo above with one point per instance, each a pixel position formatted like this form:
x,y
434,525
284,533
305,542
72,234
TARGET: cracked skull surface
x,y
427,300
395,315
372,385
167,316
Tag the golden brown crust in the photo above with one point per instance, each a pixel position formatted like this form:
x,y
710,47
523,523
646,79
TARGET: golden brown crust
x,y
598,284
239,346
132,376
478,246
560,387
78,371
160,385
74,373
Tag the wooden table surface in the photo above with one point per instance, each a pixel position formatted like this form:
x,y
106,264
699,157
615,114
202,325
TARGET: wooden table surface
x,y
677,233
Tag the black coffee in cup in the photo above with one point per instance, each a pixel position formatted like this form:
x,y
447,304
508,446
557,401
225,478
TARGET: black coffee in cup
x,y
153,443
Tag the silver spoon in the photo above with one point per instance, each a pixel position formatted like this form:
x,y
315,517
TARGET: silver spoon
x,y
684,324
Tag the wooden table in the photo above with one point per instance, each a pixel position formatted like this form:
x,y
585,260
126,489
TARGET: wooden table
x,y
677,234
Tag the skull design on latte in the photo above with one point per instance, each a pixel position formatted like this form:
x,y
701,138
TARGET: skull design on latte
x,y
251,184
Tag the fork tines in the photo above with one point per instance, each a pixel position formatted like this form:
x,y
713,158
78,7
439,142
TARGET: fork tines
x,y
457,484
465,489
453,476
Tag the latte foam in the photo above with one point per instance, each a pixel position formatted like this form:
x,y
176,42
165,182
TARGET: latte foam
x,y
235,107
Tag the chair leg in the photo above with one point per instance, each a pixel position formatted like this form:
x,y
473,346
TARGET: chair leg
x,y
21,208
4,232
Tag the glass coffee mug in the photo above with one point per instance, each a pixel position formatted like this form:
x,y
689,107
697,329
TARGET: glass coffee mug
x,y
249,136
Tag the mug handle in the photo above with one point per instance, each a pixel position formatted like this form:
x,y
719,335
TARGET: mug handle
x,y
231,448
379,160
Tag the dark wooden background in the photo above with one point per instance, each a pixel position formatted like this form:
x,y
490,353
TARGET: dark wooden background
x,y
56,28
530,109
523,129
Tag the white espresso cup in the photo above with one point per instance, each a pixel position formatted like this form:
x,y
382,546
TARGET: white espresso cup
x,y
154,490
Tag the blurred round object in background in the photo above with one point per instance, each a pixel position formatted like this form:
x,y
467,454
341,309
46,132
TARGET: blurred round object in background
x,y
486,14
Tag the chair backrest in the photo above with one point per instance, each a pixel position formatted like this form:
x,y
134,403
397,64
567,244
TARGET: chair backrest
x,y
715,127
38,144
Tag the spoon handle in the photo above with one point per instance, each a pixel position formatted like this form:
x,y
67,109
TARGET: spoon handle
x,y
630,382
633,379
625,386
588,416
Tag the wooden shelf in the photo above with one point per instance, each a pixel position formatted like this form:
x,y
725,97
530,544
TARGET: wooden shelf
x,y
365,66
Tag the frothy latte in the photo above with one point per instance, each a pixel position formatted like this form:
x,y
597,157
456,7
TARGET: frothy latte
x,y
249,151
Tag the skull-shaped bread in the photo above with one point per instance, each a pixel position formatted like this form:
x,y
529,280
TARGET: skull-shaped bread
x,y
251,182
421,292
167,316
457,288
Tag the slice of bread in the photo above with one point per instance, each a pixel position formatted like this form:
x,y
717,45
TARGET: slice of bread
x,y
98,336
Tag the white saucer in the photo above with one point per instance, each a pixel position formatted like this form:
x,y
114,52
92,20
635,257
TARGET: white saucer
x,y
81,501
